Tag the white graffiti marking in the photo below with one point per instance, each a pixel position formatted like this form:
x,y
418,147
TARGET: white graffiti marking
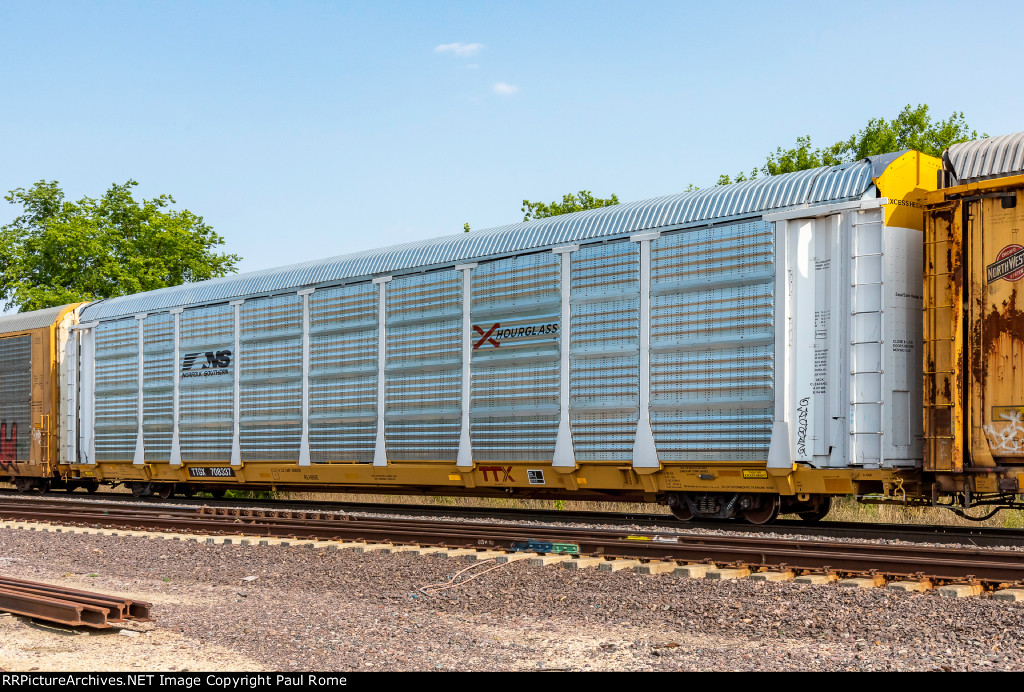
x,y
1010,439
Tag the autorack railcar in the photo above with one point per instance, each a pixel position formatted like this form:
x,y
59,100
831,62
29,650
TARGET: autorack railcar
x,y
725,351
736,351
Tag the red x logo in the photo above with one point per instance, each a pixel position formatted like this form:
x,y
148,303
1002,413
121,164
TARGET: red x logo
x,y
486,336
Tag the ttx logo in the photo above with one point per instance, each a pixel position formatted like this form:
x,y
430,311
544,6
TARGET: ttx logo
x,y
214,359
505,471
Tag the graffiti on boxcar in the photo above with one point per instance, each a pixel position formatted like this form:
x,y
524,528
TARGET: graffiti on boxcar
x,y
803,411
9,447
1009,439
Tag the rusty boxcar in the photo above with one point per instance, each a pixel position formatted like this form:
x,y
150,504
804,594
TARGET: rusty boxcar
x,y
974,324
31,415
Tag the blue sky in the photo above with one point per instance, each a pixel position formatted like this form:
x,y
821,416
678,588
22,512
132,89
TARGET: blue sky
x,y
309,129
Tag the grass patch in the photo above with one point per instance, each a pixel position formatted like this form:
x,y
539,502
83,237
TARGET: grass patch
x,y
848,509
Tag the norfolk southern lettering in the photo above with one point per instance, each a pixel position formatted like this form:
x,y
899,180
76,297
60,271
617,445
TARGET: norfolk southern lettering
x,y
206,364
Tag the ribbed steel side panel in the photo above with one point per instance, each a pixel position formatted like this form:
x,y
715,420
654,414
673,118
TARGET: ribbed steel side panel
x,y
15,399
604,360
719,203
423,370
515,404
271,413
343,373
117,396
712,329
158,386
206,393
988,158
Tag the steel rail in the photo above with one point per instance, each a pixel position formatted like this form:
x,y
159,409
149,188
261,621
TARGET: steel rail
x,y
71,607
55,610
120,608
900,561
912,533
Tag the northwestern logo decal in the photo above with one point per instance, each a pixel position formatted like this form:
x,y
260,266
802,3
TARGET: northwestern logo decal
x,y
494,334
206,364
1009,265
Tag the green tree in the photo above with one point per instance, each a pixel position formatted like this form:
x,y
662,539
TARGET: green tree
x,y
913,128
801,157
59,252
727,180
569,204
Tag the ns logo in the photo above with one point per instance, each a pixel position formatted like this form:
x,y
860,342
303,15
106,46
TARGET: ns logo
x,y
208,361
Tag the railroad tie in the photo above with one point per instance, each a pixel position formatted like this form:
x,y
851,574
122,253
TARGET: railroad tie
x,y
617,564
583,561
657,567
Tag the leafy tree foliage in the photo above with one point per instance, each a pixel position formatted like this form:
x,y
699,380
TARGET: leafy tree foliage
x,y
569,204
913,128
59,252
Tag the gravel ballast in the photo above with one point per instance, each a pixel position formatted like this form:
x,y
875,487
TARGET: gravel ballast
x,y
312,609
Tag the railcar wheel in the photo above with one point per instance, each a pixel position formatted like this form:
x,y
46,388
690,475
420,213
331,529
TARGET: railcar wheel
x,y
165,490
141,489
816,515
187,490
23,485
41,486
217,493
766,512
91,486
681,512
679,508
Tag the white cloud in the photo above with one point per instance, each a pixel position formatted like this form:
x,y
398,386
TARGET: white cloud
x,y
462,50
505,89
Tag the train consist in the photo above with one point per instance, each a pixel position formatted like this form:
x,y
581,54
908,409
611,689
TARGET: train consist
x,y
739,351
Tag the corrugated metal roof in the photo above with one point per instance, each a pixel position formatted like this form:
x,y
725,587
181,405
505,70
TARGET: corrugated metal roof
x,y
23,321
982,159
829,184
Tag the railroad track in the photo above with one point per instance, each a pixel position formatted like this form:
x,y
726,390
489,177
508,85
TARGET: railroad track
x,y
978,536
934,564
